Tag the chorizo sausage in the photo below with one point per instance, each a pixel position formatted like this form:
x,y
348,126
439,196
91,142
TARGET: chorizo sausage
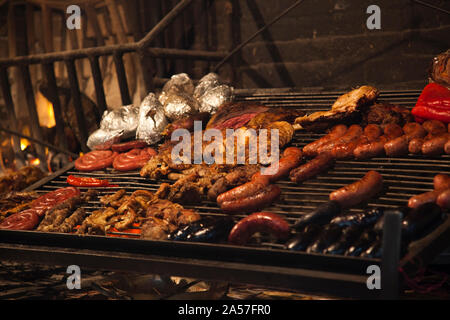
x,y
312,168
420,199
435,145
311,149
441,182
254,202
256,184
443,199
291,159
359,191
266,222
133,159
126,146
95,160
354,132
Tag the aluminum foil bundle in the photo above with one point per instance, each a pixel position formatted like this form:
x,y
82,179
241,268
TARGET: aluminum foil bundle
x,y
211,94
178,83
114,126
152,120
180,104
206,83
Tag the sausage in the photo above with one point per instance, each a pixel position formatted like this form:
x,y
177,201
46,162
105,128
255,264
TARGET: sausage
x,y
254,202
447,147
320,216
363,219
133,159
420,199
346,150
328,236
419,219
377,147
256,184
434,127
415,145
392,131
125,146
348,237
443,199
354,132
359,191
266,222
24,220
302,240
370,149
50,199
397,147
312,168
372,132
364,242
207,229
435,146
95,160
291,159
311,149
414,130
441,182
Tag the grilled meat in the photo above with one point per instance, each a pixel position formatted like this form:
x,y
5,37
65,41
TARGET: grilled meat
x,y
20,179
347,109
72,221
156,229
385,113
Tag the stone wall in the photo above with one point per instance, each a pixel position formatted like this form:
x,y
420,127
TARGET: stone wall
x,y
326,43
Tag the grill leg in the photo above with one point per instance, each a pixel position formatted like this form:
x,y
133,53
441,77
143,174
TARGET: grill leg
x,y
391,252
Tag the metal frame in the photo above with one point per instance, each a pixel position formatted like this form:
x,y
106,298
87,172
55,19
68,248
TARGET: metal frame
x,y
143,48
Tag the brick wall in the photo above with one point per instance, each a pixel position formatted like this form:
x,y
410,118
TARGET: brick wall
x,y
325,43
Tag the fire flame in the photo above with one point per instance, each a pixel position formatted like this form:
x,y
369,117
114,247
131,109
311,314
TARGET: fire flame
x,y
35,162
45,111
24,143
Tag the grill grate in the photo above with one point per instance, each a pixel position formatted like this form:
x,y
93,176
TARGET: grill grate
x,y
263,262
403,177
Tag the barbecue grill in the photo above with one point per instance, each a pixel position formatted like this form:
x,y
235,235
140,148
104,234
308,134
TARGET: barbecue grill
x,y
263,263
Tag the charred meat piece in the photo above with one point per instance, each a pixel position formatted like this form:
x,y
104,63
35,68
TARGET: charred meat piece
x,y
384,113
346,109
156,229
235,115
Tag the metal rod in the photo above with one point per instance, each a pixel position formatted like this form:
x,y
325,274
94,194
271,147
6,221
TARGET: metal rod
x,y
45,144
163,24
240,46
122,78
78,106
429,5
54,98
98,84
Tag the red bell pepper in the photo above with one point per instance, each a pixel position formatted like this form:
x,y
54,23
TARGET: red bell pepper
x,y
87,182
433,104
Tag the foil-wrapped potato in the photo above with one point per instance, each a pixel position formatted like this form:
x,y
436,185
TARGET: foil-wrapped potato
x,y
152,120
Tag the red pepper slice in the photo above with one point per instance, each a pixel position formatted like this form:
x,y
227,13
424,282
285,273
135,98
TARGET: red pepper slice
x,y
86,182
433,103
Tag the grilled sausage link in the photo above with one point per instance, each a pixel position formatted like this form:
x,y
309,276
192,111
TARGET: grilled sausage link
x,y
441,182
420,199
435,145
254,202
359,191
311,149
312,168
354,132
434,127
443,199
291,159
266,222
259,182
415,145
447,147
